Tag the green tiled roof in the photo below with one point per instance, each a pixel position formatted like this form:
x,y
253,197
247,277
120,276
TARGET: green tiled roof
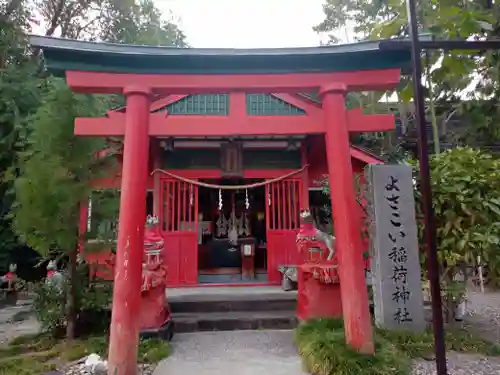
x,y
65,54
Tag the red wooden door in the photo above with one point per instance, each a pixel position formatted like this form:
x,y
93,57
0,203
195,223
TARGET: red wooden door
x,y
179,224
283,222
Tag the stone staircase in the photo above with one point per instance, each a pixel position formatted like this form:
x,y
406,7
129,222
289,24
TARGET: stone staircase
x,y
232,308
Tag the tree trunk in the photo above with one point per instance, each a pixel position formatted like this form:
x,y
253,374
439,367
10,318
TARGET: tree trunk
x,y
71,296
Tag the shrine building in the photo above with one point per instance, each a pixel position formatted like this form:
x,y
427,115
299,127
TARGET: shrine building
x,y
232,160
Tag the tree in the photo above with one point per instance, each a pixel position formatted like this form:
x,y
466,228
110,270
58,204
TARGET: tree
x,y
452,71
20,95
49,168
56,173
141,23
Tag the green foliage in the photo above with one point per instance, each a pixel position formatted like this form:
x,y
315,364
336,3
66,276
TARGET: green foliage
x,y
49,306
142,23
466,201
20,94
104,220
153,350
38,354
467,204
24,85
421,345
56,171
321,344
453,73
92,301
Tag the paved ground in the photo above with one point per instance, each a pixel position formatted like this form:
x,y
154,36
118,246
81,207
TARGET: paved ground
x,y
236,352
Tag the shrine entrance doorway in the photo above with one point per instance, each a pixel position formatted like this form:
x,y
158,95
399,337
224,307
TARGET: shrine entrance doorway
x,y
179,225
283,223
230,221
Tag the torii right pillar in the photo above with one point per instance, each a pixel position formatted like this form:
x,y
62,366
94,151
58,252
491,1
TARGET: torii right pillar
x,y
355,305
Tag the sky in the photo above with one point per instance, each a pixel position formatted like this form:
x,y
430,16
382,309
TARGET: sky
x,y
247,23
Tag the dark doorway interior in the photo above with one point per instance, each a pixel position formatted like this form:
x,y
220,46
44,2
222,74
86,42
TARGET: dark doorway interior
x,y
228,219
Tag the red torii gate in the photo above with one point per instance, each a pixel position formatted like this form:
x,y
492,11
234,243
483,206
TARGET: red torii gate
x,y
331,71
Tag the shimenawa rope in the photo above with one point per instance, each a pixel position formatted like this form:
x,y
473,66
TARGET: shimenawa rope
x,y
230,187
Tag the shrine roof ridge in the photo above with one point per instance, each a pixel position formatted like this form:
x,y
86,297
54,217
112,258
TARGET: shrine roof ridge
x,y
67,54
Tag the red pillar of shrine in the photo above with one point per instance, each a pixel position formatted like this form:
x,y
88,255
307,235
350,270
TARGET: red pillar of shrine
x,y
124,338
355,306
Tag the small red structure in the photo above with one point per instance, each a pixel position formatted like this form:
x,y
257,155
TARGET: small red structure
x,y
154,314
229,117
8,285
154,319
11,276
318,275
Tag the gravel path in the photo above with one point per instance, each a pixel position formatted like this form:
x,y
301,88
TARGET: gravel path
x,y
484,315
235,352
460,364
483,318
10,329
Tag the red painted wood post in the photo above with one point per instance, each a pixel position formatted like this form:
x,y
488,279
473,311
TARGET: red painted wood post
x,y
156,155
305,178
357,320
124,338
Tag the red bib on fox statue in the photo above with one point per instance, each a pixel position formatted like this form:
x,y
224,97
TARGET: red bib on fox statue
x,y
318,280
154,309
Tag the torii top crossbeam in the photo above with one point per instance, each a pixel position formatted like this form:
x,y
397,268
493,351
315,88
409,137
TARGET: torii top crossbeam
x,y
169,70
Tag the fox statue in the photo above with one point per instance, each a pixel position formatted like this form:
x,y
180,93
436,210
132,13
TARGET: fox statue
x,y
328,240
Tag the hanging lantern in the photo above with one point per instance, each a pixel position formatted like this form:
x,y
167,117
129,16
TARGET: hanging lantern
x,y
247,202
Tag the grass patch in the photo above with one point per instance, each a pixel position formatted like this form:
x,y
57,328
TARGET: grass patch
x,y
36,354
321,344
153,350
422,345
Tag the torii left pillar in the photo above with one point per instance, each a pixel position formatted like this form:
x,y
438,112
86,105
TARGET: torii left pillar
x,y
124,337
355,308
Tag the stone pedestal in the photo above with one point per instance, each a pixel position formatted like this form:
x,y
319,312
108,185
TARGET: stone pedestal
x,y
154,311
319,292
318,275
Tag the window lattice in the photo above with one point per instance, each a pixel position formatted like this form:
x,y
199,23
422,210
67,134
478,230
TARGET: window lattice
x,y
265,104
201,104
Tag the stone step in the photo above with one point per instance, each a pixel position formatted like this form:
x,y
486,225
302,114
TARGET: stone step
x,y
233,320
235,303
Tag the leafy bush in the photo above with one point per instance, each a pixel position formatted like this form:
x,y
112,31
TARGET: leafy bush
x,y
49,307
466,200
93,301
